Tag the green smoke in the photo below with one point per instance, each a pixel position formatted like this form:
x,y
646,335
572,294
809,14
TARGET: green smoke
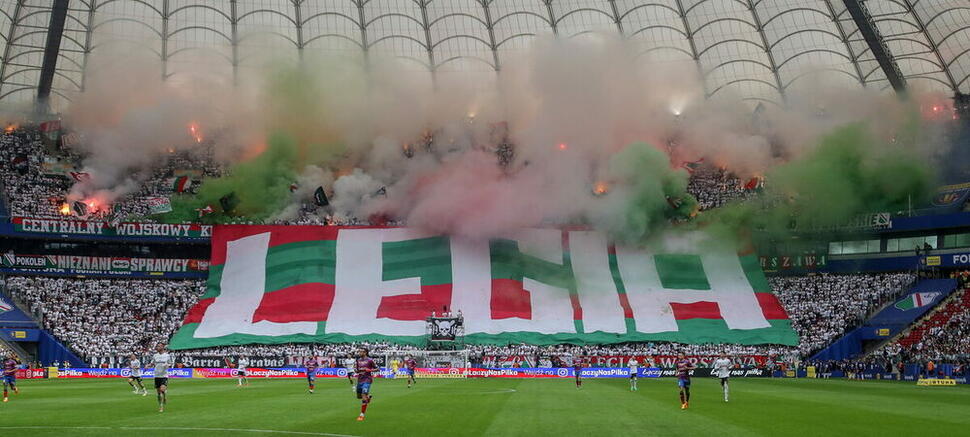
x,y
261,186
849,173
649,193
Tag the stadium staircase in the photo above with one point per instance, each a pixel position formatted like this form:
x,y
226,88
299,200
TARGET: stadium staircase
x,y
48,348
957,303
888,323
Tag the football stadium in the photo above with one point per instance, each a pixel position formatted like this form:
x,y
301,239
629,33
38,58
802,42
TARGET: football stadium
x,y
484,217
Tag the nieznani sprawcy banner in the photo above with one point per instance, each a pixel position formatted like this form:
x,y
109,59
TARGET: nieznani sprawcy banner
x,y
286,284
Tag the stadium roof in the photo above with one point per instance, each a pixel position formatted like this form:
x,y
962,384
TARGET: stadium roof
x,y
758,49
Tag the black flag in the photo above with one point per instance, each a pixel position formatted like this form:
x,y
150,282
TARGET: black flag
x,y
229,202
80,208
320,197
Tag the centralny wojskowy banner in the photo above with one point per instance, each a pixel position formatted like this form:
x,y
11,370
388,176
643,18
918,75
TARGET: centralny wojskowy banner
x,y
283,284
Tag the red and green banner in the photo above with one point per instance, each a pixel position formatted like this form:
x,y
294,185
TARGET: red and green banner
x,y
284,284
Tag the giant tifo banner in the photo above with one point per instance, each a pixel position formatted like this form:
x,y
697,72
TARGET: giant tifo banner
x,y
283,284
85,227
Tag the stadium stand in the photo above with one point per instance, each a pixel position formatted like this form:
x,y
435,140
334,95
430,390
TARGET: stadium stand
x,y
97,317
105,318
824,306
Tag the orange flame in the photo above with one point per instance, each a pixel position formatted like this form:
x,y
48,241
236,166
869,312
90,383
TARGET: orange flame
x,y
563,146
600,188
65,209
195,131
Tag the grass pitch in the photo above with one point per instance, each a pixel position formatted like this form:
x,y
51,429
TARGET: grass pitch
x,y
492,407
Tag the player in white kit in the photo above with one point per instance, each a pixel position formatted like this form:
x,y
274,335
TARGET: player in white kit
x,y
242,367
722,368
634,369
134,366
162,361
350,364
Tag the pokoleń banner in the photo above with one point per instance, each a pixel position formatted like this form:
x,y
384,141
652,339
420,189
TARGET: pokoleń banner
x,y
102,263
298,284
83,227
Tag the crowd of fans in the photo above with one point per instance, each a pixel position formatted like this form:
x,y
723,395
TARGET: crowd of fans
x,y
115,317
99,317
824,306
713,187
37,178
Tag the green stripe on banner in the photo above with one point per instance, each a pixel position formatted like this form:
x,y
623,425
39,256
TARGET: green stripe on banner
x,y
694,331
288,265
678,271
752,270
299,263
428,258
213,284
508,263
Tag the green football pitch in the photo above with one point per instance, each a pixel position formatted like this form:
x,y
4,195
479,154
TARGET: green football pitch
x,y
488,407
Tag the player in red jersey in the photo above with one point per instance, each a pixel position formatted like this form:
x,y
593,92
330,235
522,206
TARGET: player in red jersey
x,y
311,364
409,367
364,368
683,379
10,375
578,370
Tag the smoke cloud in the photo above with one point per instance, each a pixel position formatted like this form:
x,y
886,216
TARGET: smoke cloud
x,y
599,137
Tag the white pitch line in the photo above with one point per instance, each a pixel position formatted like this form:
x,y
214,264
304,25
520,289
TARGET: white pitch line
x,y
177,428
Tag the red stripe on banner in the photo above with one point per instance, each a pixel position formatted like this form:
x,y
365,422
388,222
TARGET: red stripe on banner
x,y
415,306
510,300
627,309
696,310
309,302
198,310
771,307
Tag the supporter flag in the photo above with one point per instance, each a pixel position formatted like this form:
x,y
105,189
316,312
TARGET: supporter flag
x,y
4,306
917,300
297,284
159,205
320,197
692,166
80,176
180,184
52,131
205,211
80,208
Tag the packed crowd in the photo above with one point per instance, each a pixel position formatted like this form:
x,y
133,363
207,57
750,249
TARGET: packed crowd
x,y
713,187
38,177
98,317
824,306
